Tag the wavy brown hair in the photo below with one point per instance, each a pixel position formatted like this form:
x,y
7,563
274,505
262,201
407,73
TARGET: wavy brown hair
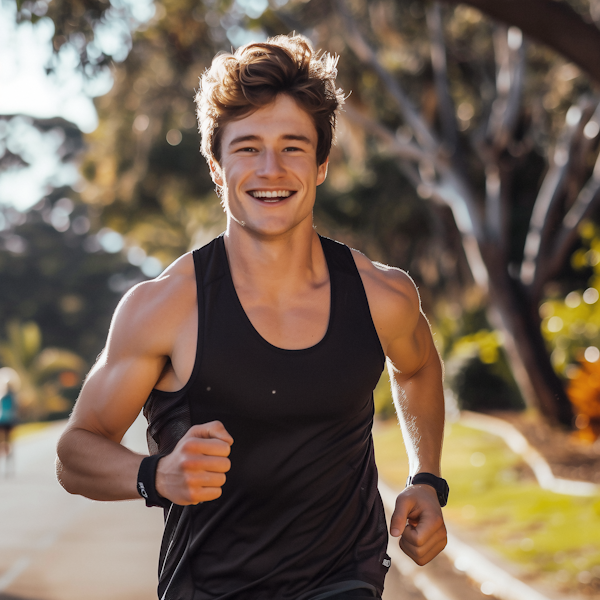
x,y
238,84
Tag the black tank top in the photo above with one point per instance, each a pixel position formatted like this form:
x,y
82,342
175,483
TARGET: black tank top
x,y
300,508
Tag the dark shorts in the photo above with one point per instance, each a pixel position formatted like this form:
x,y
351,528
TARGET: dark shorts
x,y
5,429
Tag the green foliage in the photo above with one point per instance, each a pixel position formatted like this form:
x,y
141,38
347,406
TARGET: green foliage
x,y
571,324
38,368
157,192
477,370
61,281
485,386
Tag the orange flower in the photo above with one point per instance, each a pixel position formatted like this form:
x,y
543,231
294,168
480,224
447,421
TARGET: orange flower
x,y
584,394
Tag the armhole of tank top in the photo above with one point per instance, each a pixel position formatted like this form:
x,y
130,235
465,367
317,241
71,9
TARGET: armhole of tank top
x,y
365,303
200,309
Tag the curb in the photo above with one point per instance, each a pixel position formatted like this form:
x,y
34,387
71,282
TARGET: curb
x,y
495,580
517,442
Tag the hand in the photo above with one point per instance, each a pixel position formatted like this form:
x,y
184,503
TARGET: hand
x,y
418,518
195,471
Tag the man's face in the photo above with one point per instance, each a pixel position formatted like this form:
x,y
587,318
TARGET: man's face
x,y
268,169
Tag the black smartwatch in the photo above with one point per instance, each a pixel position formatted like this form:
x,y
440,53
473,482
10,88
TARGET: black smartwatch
x,y
437,483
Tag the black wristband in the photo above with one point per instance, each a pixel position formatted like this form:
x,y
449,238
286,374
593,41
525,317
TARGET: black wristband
x,y
146,482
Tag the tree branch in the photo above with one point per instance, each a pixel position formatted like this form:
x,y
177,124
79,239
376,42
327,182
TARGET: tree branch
x,y
366,54
541,239
400,149
509,52
550,22
440,72
586,203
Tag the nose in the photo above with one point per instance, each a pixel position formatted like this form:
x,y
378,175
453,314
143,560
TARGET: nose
x,y
270,164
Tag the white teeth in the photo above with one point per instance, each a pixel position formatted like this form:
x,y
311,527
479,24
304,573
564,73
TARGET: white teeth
x,y
273,194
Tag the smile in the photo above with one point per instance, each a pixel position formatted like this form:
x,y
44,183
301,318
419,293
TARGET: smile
x,y
271,196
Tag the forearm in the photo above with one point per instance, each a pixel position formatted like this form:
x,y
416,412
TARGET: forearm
x,y
94,466
420,404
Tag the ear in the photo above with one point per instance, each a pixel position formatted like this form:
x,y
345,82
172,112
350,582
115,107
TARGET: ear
x,y
322,172
215,172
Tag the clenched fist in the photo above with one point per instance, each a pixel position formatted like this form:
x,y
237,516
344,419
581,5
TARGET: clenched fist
x,y
418,520
195,471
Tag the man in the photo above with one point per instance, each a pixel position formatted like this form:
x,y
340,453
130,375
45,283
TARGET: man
x,y
256,356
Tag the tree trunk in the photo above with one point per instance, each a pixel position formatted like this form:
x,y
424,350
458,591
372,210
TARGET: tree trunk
x,y
553,23
515,313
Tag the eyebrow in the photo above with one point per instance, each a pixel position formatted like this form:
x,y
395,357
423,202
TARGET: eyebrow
x,y
256,138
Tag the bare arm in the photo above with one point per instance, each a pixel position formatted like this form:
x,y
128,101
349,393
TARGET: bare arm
x,y
145,331
416,375
419,400
91,460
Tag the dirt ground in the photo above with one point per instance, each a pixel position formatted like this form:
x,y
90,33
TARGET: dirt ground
x,y
568,457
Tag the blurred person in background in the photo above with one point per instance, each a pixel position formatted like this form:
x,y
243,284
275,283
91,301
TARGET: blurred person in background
x,y
255,359
8,418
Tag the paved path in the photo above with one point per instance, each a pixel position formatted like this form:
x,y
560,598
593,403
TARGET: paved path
x,y
54,546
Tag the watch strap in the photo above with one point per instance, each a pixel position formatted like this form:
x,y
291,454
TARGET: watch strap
x,y
437,483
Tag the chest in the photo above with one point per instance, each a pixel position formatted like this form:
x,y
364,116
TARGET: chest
x,y
293,321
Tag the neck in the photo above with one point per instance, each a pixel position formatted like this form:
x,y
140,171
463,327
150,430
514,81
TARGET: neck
x,y
275,265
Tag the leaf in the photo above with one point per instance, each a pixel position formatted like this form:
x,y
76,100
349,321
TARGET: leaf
x,y
51,361
31,341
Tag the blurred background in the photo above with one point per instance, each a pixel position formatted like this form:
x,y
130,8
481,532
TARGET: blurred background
x,y
467,154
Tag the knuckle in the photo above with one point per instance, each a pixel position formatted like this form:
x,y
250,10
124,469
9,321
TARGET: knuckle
x,y
194,430
186,465
188,445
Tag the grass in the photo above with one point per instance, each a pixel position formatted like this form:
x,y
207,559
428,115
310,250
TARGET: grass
x,y
27,429
495,499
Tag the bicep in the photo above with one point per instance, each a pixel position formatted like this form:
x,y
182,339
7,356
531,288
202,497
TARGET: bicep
x,y
412,350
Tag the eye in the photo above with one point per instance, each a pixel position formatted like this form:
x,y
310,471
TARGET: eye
x,y
248,149
292,149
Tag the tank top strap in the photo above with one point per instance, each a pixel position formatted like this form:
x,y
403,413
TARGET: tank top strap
x,y
210,264
350,295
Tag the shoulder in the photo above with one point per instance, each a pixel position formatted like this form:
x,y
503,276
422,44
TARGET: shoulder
x,y
151,310
392,295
